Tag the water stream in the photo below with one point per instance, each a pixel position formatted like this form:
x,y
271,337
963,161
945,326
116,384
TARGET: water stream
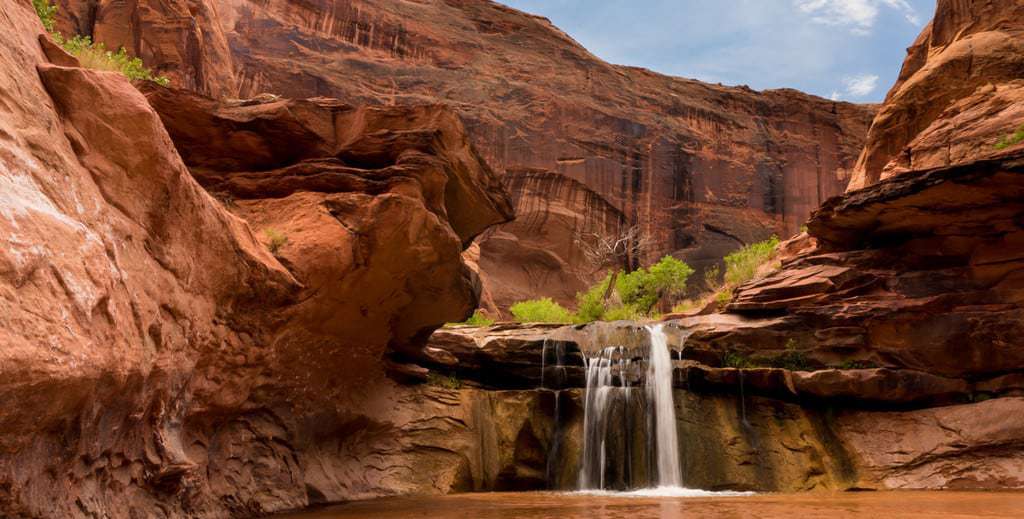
x,y
659,390
616,451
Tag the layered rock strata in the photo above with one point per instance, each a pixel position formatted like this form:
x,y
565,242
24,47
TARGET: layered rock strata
x,y
959,93
886,353
171,353
585,146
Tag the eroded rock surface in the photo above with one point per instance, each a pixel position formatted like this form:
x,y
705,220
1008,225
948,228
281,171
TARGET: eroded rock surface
x,y
960,92
584,146
884,352
173,353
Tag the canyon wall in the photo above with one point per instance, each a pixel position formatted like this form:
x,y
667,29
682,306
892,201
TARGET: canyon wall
x,y
585,146
885,351
960,91
171,353
886,354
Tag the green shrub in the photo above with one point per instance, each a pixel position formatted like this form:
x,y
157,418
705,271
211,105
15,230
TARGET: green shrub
x,y
642,288
732,359
96,56
591,304
723,297
1014,138
447,382
623,313
793,359
477,319
92,54
542,310
47,13
669,276
275,240
637,289
741,266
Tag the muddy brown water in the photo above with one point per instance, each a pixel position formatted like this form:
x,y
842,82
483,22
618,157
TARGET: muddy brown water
x,y
546,505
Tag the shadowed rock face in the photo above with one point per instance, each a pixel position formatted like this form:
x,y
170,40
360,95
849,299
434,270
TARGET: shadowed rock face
x,y
885,352
584,145
166,353
959,92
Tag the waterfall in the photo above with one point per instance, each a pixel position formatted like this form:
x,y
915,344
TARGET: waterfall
x,y
659,390
599,392
613,408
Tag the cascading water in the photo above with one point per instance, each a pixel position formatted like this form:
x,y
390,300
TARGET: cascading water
x,y
616,452
659,389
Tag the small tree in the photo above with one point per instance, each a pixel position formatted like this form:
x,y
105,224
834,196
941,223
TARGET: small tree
x,y
591,305
643,288
611,252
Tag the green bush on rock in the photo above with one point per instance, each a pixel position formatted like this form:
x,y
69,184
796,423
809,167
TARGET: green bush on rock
x,y
643,288
92,54
543,310
477,319
741,266
47,13
1010,140
591,304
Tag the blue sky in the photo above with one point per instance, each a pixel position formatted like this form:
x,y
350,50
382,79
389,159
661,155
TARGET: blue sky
x,y
843,49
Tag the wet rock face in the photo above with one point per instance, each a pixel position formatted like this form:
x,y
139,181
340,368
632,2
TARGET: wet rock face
x,y
167,352
885,352
585,146
959,92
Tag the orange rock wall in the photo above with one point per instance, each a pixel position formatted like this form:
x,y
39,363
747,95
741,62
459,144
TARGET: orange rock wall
x,y
701,168
961,90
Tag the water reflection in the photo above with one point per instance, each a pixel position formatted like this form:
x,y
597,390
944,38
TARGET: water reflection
x,y
549,505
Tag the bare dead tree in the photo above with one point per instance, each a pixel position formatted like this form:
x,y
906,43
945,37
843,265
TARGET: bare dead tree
x,y
611,251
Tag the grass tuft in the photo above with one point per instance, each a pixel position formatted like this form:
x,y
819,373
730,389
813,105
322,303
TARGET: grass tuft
x,y
275,240
741,266
1012,139
477,319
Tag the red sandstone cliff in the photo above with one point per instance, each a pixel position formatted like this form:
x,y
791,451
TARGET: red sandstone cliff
x,y
174,353
584,145
961,90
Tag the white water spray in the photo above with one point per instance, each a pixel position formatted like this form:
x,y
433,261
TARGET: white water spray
x,y
659,390
609,404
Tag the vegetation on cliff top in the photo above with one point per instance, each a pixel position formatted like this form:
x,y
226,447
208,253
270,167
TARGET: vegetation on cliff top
x,y
92,54
618,296
741,266
643,292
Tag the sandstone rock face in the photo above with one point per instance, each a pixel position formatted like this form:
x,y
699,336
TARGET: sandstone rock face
x,y
921,275
168,355
584,146
764,429
885,352
959,92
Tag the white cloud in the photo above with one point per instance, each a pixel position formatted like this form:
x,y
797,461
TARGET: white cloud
x,y
858,15
860,85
